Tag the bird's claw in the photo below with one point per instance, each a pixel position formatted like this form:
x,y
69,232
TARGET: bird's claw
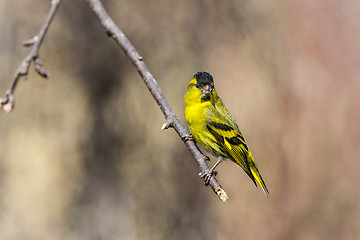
x,y
207,176
188,138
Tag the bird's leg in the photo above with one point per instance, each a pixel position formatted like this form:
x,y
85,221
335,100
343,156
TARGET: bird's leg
x,y
207,176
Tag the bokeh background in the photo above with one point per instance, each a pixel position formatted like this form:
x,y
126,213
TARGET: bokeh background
x,y
82,155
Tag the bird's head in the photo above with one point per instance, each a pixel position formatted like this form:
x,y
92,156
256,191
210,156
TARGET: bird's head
x,y
201,88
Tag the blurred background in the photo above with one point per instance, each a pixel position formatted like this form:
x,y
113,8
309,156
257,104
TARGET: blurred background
x,y
82,155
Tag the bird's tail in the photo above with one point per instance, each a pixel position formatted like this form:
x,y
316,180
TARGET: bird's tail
x,y
255,172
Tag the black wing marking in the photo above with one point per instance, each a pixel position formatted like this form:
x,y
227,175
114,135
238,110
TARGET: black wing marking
x,y
221,126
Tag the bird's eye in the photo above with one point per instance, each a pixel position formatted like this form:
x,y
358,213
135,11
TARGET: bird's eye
x,y
197,85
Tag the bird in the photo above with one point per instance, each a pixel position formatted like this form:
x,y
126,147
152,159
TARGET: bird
x,y
214,128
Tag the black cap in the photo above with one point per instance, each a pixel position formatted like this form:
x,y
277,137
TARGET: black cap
x,y
203,78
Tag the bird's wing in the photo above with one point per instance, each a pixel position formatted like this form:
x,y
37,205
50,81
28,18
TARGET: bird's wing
x,y
223,127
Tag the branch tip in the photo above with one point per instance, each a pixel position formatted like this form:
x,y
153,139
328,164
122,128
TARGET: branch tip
x,y
8,107
7,103
222,194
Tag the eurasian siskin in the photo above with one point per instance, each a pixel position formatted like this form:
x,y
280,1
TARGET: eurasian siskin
x,y
214,128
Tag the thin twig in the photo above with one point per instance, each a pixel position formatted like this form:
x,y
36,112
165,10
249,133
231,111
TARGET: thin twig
x,y
171,120
7,103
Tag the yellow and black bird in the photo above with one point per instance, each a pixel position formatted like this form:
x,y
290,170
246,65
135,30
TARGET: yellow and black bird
x,y
214,128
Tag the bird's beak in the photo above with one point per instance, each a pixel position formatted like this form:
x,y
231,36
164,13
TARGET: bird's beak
x,y
206,90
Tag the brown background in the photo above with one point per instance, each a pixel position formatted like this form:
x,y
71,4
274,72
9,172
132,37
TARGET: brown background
x,y
83,157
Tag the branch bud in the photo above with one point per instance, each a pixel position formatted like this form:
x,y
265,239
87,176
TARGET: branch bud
x,y
8,107
30,42
39,68
168,123
3,101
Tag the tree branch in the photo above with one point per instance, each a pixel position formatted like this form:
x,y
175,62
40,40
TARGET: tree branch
x,y
171,120
7,103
